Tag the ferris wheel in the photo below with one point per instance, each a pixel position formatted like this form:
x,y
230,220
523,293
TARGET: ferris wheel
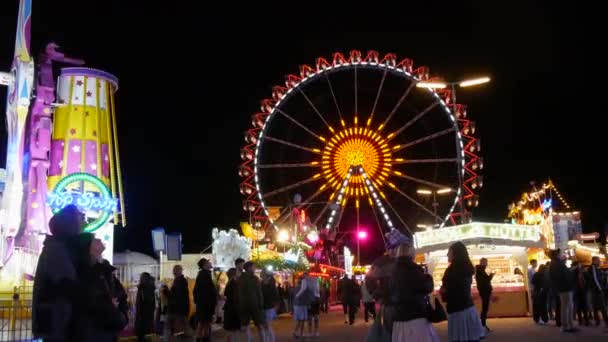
x,y
360,141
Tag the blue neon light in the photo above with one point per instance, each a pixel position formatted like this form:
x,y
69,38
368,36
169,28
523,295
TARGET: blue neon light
x,y
87,201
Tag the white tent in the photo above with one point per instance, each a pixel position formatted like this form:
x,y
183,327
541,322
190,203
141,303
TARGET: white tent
x,y
133,258
130,265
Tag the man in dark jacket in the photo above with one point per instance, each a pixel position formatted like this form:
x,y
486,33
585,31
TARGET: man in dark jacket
x,y
484,287
179,303
251,301
562,281
345,290
205,299
597,285
56,280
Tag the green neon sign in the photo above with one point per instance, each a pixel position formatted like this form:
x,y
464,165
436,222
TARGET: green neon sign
x,y
103,203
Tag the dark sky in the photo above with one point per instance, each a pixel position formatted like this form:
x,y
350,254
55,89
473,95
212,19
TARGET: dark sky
x,y
190,79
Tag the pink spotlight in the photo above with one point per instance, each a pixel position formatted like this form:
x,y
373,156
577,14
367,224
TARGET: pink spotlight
x,y
362,235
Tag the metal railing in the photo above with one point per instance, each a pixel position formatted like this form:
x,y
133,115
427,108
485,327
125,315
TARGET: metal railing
x,y
16,315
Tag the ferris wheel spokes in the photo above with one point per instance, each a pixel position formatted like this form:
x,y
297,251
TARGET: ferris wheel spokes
x,y
308,130
401,99
291,186
426,138
413,120
287,165
371,116
333,95
290,144
315,109
425,161
392,186
421,181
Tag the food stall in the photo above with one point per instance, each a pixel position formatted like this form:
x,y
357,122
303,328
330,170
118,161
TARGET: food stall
x,y
507,247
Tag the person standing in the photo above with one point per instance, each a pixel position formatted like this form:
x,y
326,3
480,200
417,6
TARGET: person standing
x,y
100,315
270,294
314,308
238,263
179,304
346,292
539,296
300,310
145,304
562,280
580,294
597,285
324,290
56,279
251,301
484,287
205,300
463,322
163,312
409,288
369,305
232,323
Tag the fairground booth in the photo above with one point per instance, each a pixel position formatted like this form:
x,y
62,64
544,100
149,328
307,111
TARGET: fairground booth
x,y
508,247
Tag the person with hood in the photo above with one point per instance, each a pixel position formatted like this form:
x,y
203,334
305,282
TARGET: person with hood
x,y
463,322
56,279
205,299
251,301
409,288
562,280
484,287
145,304
101,307
179,303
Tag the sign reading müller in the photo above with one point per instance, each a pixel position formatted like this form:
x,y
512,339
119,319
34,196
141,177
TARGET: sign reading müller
x,y
99,202
516,233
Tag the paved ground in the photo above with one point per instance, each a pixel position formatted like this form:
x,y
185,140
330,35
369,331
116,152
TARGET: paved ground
x,y
504,329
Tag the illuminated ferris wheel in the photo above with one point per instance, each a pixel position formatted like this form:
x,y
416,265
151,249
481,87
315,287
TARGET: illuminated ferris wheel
x,y
360,141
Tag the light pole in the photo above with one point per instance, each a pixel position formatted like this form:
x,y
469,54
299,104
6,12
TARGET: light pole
x,y
361,235
434,193
462,84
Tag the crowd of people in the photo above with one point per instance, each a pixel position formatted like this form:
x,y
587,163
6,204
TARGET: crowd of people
x,y
77,297
565,294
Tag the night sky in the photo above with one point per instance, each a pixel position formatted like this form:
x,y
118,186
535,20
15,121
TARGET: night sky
x,y
190,79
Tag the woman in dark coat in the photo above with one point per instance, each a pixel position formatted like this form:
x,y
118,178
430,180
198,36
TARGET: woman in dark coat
x,y
205,299
463,322
232,322
145,304
101,316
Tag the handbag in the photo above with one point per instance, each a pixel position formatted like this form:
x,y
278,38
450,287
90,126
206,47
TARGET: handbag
x,y
376,332
436,314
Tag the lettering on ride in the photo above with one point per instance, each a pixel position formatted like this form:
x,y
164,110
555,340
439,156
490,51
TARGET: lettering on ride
x,y
477,230
86,201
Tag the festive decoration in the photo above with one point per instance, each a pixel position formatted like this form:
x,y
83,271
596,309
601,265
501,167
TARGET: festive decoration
x,y
229,246
342,144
